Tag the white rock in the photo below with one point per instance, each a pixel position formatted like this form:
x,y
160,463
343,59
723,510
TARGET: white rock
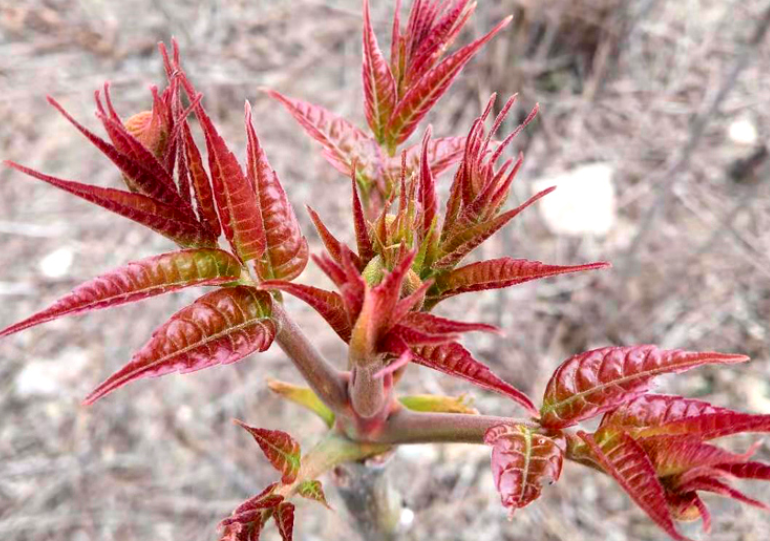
x,y
52,377
583,203
742,132
57,263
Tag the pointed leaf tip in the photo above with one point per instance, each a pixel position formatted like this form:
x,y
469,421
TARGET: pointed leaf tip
x,y
221,327
599,380
140,280
279,448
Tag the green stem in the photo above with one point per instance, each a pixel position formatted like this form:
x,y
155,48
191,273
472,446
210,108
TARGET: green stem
x,y
331,451
326,381
406,426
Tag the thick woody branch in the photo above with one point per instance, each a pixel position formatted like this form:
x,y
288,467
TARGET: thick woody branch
x,y
325,380
406,426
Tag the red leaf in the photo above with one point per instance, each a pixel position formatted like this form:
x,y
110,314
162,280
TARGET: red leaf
x,y
238,205
425,93
252,508
279,448
286,252
596,381
652,415
655,410
158,187
163,219
313,490
327,303
455,360
688,507
201,184
466,239
521,462
498,273
427,194
625,460
341,140
284,519
438,325
708,484
672,455
221,327
747,470
139,280
379,85
443,153
332,245
363,240
375,318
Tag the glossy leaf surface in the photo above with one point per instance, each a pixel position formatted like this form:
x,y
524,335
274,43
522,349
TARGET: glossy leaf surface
x,y
625,460
139,280
281,450
522,461
455,360
221,327
286,252
596,381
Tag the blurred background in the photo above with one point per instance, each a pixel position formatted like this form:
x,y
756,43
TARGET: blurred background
x,y
654,124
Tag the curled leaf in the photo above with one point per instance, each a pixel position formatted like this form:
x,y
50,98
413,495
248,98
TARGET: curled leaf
x,y
522,461
303,396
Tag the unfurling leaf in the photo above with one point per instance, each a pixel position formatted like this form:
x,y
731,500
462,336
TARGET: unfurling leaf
x,y
596,381
313,490
425,92
199,180
522,461
341,140
455,360
497,273
251,508
286,252
280,449
221,327
625,460
379,85
304,396
161,218
238,204
139,280
439,404
284,519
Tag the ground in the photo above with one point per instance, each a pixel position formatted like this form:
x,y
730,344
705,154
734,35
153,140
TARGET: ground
x,y
629,84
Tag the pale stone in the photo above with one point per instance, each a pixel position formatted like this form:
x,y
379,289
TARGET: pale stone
x,y
57,263
52,377
742,132
584,202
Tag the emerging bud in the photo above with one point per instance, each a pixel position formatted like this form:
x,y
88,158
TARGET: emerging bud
x,y
150,130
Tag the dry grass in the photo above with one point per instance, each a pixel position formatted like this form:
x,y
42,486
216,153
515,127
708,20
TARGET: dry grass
x,y
618,81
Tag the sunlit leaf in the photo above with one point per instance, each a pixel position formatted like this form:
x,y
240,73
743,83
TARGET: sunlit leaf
x,y
455,360
139,280
281,450
286,252
379,85
161,218
599,380
303,396
625,460
221,327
